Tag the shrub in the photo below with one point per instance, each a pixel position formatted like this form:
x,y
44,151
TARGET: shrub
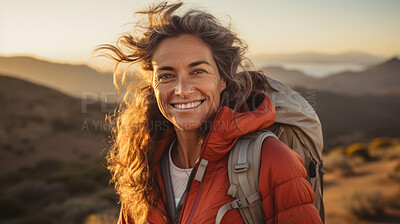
x,y
66,172
35,220
396,173
17,176
389,153
393,153
55,197
47,166
107,194
378,143
337,162
365,205
80,185
12,208
51,164
34,191
395,200
97,172
19,152
31,149
358,150
62,125
76,209
7,147
384,148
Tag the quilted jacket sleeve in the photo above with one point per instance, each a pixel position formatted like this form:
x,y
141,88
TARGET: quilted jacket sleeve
x,y
286,194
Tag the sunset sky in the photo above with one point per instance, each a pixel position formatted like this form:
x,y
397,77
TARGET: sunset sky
x,y
70,30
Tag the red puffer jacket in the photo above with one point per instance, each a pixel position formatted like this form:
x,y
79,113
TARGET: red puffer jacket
x,y
286,195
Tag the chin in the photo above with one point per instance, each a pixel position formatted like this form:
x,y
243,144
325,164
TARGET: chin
x,y
188,125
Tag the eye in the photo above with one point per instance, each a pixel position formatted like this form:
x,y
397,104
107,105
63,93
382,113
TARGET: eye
x,y
164,77
198,71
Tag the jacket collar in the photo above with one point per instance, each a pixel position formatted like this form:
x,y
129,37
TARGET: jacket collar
x,y
225,131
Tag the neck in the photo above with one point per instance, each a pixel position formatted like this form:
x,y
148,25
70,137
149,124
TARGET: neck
x,y
189,147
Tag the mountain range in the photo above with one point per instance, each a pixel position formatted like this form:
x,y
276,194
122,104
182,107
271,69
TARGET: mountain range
x,y
377,79
312,57
381,78
74,80
78,80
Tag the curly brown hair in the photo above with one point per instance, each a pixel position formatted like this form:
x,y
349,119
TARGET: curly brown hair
x,y
131,157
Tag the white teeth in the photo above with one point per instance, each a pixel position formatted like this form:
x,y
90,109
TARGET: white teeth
x,y
187,105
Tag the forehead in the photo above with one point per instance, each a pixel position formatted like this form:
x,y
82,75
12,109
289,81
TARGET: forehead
x,y
182,49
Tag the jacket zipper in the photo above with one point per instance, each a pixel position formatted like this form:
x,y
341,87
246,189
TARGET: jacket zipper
x,y
196,203
199,191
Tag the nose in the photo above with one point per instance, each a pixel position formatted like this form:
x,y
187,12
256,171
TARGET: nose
x,y
183,87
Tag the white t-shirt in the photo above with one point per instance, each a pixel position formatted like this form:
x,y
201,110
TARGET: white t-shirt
x,y
179,177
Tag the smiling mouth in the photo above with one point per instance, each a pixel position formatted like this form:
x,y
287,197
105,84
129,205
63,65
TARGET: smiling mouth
x,y
189,105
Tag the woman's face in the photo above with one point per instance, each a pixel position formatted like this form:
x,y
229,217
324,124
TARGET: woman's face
x,y
186,81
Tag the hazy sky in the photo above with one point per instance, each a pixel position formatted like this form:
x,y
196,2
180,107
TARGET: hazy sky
x,y
69,30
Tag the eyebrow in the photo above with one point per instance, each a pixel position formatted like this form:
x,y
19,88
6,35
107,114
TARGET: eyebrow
x,y
193,64
199,63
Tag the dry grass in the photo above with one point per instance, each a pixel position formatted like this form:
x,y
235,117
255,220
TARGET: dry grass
x,y
368,177
338,163
396,173
358,150
56,192
386,153
365,205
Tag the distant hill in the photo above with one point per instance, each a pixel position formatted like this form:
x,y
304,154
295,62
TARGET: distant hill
x,y
380,79
70,79
311,57
292,78
384,77
38,122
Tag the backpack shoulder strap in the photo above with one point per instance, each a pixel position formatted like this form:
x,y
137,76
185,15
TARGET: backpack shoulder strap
x,y
243,171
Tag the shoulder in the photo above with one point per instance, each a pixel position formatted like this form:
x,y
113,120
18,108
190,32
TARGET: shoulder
x,y
285,191
279,163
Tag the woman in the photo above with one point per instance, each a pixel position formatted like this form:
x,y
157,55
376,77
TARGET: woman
x,y
172,140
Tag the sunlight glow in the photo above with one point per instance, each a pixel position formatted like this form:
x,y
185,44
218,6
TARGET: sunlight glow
x,y
70,30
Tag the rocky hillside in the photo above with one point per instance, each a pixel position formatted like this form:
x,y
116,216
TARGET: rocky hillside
x,y
38,122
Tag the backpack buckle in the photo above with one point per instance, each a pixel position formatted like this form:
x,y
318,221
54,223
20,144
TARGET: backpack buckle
x,y
240,203
322,168
241,167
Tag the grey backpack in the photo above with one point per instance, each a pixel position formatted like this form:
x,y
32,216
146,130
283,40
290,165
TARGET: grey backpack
x,y
298,126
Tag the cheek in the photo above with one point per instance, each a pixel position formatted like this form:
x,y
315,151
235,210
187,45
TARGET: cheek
x,y
162,98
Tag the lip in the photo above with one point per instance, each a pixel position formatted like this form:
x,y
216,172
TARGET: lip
x,y
187,109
